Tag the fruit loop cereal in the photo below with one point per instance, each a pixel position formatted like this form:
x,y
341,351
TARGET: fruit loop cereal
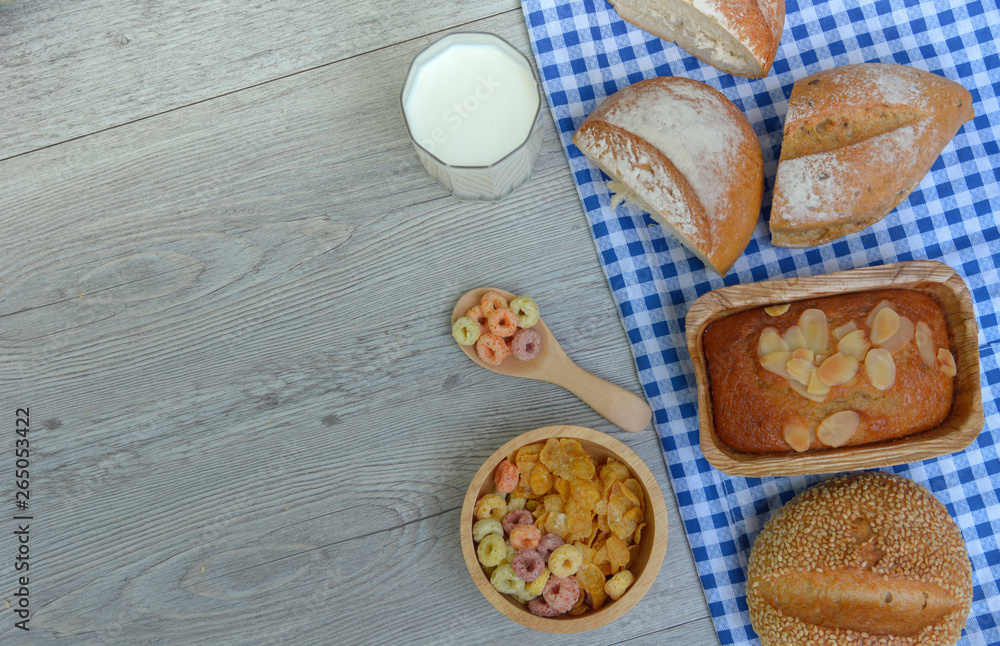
x,y
523,596
525,537
561,593
504,580
486,526
547,545
491,349
466,331
566,560
502,322
569,528
511,553
476,314
517,517
539,607
492,301
502,329
525,346
536,587
525,310
491,506
491,550
506,476
528,565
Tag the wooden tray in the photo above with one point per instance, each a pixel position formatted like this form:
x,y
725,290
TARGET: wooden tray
x,y
958,430
652,547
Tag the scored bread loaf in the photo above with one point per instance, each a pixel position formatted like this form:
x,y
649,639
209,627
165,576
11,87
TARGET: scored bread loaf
x,y
685,154
737,36
857,140
866,559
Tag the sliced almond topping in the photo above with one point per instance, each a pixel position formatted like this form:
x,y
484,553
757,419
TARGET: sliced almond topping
x,y
844,330
884,326
880,368
777,310
854,345
817,387
902,337
837,369
775,362
799,369
925,344
819,359
838,428
814,327
770,341
798,437
876,310
803,353
800,389
947,362
794,338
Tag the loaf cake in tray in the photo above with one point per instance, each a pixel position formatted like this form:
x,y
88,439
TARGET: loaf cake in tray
x,y
837,371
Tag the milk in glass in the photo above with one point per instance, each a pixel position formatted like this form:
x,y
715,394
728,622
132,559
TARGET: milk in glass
x,y
472,107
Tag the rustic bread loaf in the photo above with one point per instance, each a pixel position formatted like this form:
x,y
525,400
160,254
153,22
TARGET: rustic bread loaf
x,y
684,153
857,140
830,372
737,36
866,559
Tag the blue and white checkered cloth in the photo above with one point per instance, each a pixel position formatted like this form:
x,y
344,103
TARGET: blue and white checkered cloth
x,y
585,52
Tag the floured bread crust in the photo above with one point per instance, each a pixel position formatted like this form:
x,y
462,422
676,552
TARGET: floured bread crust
x,y
857,140
866,559
740,37
688,156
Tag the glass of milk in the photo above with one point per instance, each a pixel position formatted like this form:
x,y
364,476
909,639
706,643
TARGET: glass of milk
x,y
472,107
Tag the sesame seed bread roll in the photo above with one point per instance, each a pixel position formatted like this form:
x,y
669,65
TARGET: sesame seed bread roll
x,y
736,36
682,152
857,140
869,558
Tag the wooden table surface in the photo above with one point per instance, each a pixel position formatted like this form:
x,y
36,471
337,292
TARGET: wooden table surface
x,y
225,288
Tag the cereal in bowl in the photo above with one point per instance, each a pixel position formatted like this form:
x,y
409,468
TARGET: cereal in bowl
x,y
569,528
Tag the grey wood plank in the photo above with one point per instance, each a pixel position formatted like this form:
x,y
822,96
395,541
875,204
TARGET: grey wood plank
x,y
69,68
250,422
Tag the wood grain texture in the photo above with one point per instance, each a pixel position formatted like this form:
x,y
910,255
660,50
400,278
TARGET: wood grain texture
x,y
957,431
646,566
250,424
74,68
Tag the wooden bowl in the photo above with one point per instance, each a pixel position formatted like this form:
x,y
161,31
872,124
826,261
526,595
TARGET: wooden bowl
x,y
651,550
960,428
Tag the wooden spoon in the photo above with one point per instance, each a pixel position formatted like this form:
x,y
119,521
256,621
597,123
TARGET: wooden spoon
x,y
619,406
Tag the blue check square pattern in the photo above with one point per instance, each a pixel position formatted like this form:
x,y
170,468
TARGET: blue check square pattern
x,y
585,52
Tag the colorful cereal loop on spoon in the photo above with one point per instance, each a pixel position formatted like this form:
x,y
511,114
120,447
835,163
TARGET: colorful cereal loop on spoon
x,y
526,311
476,314
466,331
491,349
492,301
527,344
502,322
